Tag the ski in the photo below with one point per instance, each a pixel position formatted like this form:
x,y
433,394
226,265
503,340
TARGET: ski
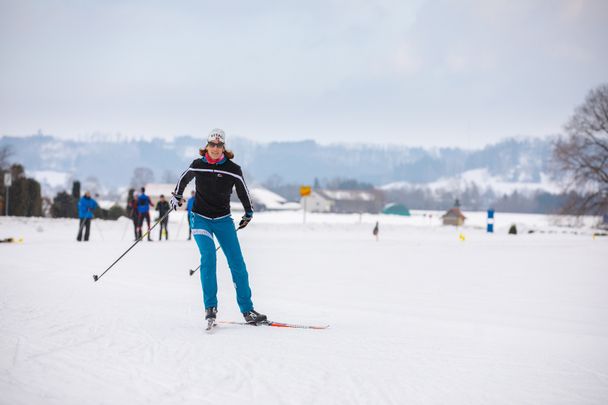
x,y
278,325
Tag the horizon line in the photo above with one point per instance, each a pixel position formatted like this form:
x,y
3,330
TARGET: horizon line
x,y
120,138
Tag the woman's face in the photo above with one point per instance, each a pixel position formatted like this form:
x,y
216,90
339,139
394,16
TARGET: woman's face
x,y
215,149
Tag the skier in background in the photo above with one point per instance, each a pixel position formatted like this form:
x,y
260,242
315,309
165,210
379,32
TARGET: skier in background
x,y
376,231
216,175
133,213
143,208
86,207
11,240
162,206
189,206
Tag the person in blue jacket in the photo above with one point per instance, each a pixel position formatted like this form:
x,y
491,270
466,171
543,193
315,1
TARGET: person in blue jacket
x,y
143,207
86,207
189,206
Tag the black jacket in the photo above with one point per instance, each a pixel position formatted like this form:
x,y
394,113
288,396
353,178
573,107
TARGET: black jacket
x,y
214,183
162,207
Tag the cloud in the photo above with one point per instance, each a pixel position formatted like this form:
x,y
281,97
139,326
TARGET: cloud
x,y
427,69
407,60
573,9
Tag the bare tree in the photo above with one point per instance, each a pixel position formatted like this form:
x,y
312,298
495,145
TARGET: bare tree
x,y
141,177
169,176
6,151
581,158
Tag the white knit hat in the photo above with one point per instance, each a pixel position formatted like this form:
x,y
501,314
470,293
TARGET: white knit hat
x,y
216,135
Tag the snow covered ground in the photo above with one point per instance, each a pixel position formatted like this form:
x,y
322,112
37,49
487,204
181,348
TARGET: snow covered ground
x,y
420,317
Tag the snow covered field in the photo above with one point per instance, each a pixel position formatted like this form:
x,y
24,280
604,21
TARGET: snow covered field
x,y
420,317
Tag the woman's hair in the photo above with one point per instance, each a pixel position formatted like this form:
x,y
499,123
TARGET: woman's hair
x,y
228,153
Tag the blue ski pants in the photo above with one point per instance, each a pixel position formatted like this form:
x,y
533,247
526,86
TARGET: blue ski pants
x,y
203,230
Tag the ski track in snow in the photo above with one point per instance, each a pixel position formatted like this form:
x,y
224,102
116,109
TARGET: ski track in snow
x,y
418,317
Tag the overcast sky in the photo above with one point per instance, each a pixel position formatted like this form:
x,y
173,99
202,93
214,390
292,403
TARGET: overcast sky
x,y
423,72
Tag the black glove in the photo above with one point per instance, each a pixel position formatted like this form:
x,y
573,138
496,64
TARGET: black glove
x,y
245,220
175,201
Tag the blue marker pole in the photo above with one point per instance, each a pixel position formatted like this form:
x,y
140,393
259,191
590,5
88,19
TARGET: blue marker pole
x,y
490,227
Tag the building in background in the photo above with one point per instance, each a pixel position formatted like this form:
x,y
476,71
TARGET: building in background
x,y
454,216
266,200
316,202
345,201
396,209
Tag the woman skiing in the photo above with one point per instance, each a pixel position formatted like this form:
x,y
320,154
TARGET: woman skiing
x,y
216,174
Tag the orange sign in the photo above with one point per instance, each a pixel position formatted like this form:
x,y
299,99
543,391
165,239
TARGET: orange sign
x,y
305,190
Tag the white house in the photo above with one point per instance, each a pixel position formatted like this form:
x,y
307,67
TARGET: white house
x,y
316,202
266,200
345,201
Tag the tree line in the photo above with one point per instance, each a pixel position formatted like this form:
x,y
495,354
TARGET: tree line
x,y
23,197
579,161
65,205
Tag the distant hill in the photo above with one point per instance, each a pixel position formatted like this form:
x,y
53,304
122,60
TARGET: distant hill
x,y
111,163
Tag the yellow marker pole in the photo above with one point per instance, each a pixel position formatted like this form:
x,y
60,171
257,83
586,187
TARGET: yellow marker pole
x,y
305,191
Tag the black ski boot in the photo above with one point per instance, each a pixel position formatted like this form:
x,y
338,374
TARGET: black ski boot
x,y
254,318
210,314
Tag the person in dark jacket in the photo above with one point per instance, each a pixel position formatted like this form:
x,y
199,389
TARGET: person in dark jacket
x,y
162,206
86,207
143,208
134,214
216,175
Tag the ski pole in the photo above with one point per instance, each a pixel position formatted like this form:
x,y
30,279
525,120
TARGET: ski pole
x,y
199,266
98,229
124,231
179,228
96,277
